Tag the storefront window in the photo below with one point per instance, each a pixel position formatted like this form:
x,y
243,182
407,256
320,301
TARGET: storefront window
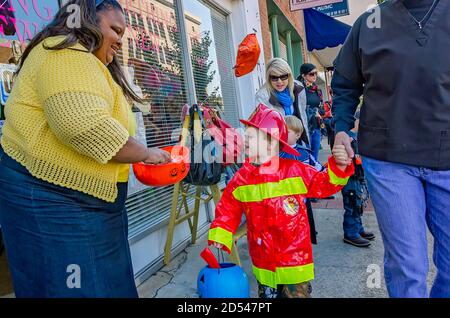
x,y
203,52
211,57
152,56
20,21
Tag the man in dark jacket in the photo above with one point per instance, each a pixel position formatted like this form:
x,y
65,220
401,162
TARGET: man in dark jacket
x,y
397,58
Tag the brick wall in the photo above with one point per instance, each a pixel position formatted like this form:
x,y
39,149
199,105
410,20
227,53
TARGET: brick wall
x,y
295,18
265,28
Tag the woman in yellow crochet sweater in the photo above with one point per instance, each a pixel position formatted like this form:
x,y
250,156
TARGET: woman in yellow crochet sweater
x,y
64,160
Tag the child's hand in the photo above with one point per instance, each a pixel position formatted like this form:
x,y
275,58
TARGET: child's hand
x,y
217,245
341,156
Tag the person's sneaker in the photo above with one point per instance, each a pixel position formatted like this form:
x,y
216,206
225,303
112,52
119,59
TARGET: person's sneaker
x,y
358,242
367,235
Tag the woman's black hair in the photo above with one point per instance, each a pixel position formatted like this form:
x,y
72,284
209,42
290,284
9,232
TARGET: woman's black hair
x,y
88,35
307,68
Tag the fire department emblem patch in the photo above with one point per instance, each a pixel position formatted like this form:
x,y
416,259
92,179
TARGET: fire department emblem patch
x,y
291,206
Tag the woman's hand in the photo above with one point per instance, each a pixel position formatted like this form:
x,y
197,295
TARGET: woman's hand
x,y
341,156
156,156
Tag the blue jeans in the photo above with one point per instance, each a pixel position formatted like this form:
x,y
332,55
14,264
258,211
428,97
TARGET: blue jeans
x,y
61,242
315,143
352,224
407,199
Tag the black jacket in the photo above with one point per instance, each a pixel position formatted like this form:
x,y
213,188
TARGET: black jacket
x,y
403,73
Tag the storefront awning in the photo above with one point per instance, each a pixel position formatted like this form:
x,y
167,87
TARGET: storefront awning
x,y
323,31
327,56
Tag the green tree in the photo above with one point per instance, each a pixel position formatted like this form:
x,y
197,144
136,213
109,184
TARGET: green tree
x,y
201,66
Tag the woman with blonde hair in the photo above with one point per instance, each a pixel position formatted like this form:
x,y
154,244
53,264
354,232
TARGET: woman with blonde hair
x,y
283,93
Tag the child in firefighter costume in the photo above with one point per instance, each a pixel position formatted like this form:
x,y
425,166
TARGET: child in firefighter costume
x,y
271,192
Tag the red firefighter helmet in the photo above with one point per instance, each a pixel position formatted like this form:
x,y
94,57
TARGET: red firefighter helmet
x,y
272,123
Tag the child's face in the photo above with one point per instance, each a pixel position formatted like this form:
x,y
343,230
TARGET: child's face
x,y
293,137
257,144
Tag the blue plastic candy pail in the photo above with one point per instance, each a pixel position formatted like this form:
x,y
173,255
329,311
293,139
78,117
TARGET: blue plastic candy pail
x,y
229,281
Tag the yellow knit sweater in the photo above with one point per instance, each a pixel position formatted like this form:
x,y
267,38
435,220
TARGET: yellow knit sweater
x,y
66,118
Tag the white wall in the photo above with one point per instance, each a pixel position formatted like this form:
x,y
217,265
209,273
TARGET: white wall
x,y
245,19
357,7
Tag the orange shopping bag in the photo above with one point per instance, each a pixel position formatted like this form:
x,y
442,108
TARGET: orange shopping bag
x,y
247,56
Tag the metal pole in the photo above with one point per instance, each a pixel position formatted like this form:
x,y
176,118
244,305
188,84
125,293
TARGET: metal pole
x,y
188,73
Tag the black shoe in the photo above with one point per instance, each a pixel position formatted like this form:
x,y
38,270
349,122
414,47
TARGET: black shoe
x,y
331,197
358,242
313,200
367,235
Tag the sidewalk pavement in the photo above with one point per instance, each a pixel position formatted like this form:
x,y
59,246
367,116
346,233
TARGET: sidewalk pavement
x,y
341,270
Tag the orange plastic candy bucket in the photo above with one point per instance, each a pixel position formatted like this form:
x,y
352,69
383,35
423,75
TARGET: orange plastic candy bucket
x,y
167,173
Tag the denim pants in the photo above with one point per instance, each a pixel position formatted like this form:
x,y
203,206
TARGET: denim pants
x,y
352,224
407,200
61,242
315,143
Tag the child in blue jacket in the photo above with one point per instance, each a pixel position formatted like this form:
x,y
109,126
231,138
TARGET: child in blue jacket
x,y
295,129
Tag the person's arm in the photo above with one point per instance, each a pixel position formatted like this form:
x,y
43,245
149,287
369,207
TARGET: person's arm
x,y
228,217
321,107
328,182
345,102
347,85
133,151
261,98
322,111
76,103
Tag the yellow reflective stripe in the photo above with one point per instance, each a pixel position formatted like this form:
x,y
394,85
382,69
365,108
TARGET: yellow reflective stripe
x,y
284,275
259,192
334,179
221,236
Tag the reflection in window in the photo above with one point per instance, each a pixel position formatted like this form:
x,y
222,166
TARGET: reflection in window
x,y
127,17
203,53
131,50
150,26
22,20
162,32
155,58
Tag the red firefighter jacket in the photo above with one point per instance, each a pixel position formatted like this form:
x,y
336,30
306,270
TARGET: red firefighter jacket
x,y
277,222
